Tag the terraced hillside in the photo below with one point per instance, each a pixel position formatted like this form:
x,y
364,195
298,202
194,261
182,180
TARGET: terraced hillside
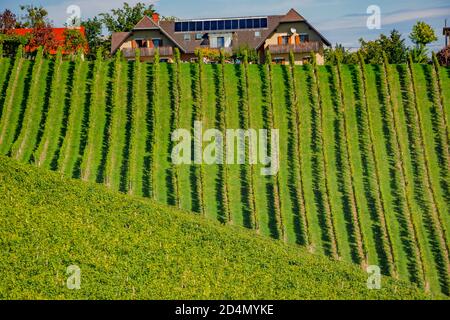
x,y
364,164
132,248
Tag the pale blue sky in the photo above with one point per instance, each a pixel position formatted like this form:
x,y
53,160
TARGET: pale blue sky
x,y
341,21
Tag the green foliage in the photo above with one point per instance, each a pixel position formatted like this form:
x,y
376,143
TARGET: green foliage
x,y
92,156
419,55
11,43
389,149
393,46
124,19
113,237
8,121
74,41
422,34
95,40
116,134
340,55
69,152
251,53
34,16
25,143
48,145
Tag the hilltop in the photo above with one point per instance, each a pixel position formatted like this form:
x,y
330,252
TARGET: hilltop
x,y
130,248
364,149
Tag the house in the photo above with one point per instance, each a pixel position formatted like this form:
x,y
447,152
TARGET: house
x,y
58,35
279,34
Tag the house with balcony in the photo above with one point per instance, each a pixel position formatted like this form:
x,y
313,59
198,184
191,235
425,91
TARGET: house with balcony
x,y
279,34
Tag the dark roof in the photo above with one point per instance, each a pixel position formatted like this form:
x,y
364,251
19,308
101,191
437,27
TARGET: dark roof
x,y
240,36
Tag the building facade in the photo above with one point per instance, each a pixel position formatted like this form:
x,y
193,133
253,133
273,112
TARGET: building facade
x,y
279,34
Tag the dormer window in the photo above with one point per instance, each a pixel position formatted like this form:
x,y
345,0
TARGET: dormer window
x,y
187,37
257,34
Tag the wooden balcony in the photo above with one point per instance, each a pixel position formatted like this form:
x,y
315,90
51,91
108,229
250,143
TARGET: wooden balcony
x,y
303,47
148,52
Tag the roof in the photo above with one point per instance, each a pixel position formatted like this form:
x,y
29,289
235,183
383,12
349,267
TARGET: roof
x,y
57,32
239,36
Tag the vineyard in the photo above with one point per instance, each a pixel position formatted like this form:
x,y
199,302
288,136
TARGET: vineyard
x,y
364,149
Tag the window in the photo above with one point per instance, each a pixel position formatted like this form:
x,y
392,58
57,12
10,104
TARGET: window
x,y
199,26
227,24
235,24
157,42
187,37
256,23
185,26
198,36
285,40
220,25
140,43
257,34
178,26
279,60
249,23
220,42
192,26
207,25
213,25
242,24
304,37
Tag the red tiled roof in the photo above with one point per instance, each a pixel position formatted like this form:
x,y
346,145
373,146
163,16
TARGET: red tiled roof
x,y
146,23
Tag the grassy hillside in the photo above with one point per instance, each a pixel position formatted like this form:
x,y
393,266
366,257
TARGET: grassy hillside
x,y
364,164
130,248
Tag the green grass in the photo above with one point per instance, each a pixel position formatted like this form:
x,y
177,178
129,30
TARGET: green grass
x,y
129,248
373,180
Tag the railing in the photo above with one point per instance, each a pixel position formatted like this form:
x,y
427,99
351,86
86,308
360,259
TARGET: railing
x,y
303,47
147,52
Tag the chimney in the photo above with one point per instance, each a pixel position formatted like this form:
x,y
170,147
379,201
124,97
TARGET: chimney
x,y
155,17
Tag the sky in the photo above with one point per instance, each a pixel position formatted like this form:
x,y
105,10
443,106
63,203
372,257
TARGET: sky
x,y
340,21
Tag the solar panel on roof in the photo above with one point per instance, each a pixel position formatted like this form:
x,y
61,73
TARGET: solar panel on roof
x,y
235,24
264,23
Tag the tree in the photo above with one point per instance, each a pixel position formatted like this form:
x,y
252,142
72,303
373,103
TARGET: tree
x,y
125,18
8,21
422,34
34,17
393,45
95,39
74,41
